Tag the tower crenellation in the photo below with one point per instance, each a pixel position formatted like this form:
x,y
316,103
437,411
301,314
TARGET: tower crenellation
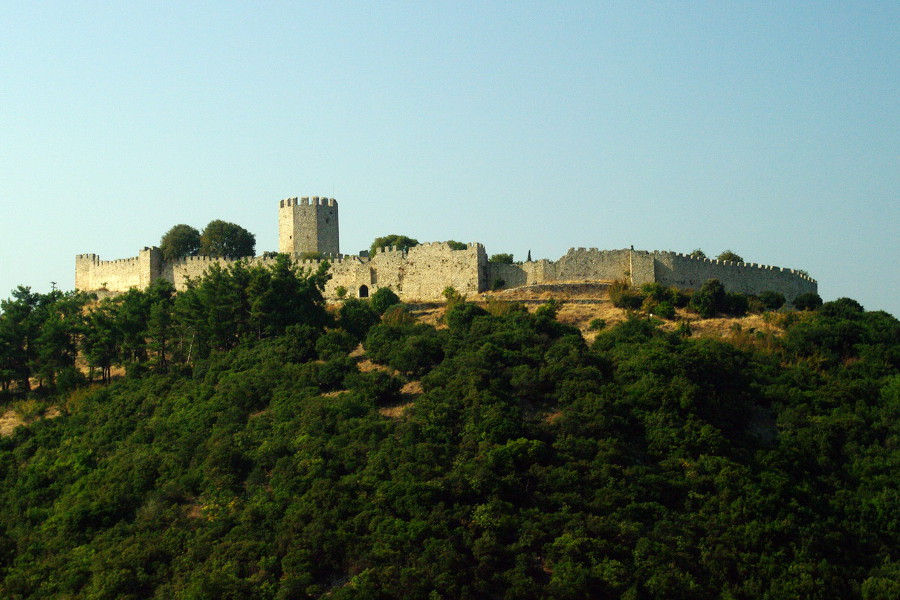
x,y
310,225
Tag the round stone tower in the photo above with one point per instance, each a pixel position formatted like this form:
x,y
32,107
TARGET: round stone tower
x,y
308,225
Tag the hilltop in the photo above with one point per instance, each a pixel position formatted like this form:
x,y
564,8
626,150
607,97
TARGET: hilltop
x,y
263,444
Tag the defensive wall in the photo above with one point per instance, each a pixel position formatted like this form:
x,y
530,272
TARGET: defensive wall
x,y
424,271
310,225
640,266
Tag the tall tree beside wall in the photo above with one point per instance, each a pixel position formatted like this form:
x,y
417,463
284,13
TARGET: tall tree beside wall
x,y
222,239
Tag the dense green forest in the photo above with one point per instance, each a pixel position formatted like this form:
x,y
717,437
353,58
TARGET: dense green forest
x,y
245,454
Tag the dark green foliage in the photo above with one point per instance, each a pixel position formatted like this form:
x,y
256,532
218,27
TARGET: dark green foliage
x,y
807,301
502,258
772,300
335,342
498,284
383,298
180,241
698,253
709,299
400,242
226,240
454,245
597,324
651,465
357,316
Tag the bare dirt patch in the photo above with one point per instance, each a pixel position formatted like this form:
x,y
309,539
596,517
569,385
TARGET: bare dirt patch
x,y
8,422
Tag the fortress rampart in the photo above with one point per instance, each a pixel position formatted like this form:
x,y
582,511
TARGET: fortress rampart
x,y
424,271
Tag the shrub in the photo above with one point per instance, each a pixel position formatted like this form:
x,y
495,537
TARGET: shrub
x,y
357,316
335,342
771,300
378,386
452,296
498,284
383,298
808,301
710,299
698,253
459,317
597,324
454,245
735,304
665,310
397,315
340,291
622,296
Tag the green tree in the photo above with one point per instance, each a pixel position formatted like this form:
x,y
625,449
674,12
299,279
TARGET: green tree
x,y
502,258
710,299
180,241
383,299
807,301
401,242
729,255
226,240
697,253
454,245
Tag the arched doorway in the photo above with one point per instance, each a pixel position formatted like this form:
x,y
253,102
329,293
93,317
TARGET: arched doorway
x,y
363,291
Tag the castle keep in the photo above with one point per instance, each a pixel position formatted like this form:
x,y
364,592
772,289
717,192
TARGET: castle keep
x,y
310,225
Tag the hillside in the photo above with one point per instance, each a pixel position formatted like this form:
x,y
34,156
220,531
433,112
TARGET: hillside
x,y
260,444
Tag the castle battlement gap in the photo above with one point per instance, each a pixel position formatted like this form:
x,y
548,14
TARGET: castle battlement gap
x,y
310,225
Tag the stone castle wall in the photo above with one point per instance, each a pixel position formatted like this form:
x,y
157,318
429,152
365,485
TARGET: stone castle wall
x,y
424,271
91,273
669,268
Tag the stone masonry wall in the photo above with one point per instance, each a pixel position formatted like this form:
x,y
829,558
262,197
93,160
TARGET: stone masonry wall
x,y
686,272
669,268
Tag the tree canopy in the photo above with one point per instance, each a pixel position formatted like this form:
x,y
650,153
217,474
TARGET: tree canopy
x,y
180,241
226,240
729,255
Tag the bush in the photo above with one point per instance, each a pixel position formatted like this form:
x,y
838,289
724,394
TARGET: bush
x,y
397,315
808,301
459,317
771,300
378,386
452,296
498,284
335,342
383,298
665,310
357,316
622,296
597,324
710,299
735,304
454,245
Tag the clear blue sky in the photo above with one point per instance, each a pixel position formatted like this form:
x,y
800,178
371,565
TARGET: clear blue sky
x,y
767,128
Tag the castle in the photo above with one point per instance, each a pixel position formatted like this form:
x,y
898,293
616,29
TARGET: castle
x,y
310,225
